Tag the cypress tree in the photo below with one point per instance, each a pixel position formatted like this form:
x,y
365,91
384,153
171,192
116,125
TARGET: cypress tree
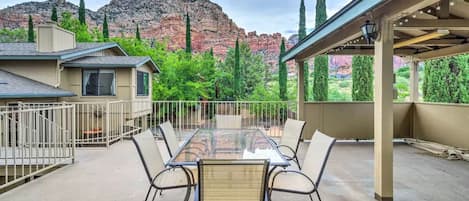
x,y
301,36
105,28
237,72
282,77
30,30
137,34
362,78
54,16
321,63
188,35
211,52
82,12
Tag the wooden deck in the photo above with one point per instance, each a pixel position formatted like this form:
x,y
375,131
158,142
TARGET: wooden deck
x,y
116,174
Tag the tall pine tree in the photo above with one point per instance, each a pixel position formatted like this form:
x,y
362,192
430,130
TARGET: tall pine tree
x,y
188,35
137,34
282,77
362,76
30,30
237,72
82,12
105,28
54,16
321,62
301,36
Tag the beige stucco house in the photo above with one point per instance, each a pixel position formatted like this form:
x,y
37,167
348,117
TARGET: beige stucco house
x,y
56,69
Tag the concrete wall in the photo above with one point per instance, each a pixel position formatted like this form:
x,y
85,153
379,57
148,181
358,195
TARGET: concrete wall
x,y
353,120
442,123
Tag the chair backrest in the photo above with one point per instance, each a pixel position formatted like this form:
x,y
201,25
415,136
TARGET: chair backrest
x,y
317,156
234,180
228,121
292,133
170,139
149,153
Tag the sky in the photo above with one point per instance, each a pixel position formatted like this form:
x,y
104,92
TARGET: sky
x,y
263,16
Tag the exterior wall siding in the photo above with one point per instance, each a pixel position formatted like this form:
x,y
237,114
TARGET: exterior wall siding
x,y
42,71
353,120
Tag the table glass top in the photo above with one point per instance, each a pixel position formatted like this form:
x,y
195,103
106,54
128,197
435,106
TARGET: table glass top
x,y
228,144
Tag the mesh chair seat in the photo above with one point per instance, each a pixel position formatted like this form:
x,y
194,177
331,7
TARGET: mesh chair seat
x,y
292,182
228,121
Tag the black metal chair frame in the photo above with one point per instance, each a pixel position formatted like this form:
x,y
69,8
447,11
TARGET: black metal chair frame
x,y
187,172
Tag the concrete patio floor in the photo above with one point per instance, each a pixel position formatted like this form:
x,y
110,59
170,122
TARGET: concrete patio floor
x,y
116,174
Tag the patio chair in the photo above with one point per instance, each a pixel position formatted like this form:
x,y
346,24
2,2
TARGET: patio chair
x,y
160,177
234,180
169,137
172,144
307,180
229,121
290,140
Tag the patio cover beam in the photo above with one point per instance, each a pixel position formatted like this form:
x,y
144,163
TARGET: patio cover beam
x,y
424,24
449,51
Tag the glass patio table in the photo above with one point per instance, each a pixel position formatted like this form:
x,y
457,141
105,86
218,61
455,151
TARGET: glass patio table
x,y
227,144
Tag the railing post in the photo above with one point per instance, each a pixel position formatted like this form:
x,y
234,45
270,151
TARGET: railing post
x,y
73,116
178,112
122,120
107,123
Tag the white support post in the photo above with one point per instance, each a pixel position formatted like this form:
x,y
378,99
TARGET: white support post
x,y
108,128
383,112
414,81
301,91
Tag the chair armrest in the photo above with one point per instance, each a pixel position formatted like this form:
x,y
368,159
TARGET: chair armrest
x,y
292,171
273,141
186,172
290,149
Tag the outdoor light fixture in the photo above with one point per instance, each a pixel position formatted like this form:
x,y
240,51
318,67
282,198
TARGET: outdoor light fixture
x,y
369,31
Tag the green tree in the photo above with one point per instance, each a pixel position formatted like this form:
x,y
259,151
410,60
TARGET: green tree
x,y
463,80
321,63
251,73
105,28
188,35
13,35
30,30
73,24
283,74
211,52
54,16
442,79
137,34
301,36
362,76
237,72
82,12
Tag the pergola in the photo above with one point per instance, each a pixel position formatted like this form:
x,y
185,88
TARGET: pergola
x,y
414,29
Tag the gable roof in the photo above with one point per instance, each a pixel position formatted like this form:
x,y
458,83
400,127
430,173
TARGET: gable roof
x,y
112,62
28,51
16,86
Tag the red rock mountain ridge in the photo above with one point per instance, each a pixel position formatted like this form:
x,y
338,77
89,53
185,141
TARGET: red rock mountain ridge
x,y
159,19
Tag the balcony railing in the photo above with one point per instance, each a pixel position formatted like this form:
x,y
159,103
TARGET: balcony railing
x,y
34,140
102,123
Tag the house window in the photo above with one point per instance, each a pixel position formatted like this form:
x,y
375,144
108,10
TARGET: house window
x,y
99,82
142,83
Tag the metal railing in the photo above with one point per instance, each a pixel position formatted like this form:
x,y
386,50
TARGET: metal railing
x,y
102,123
34,139
187,116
